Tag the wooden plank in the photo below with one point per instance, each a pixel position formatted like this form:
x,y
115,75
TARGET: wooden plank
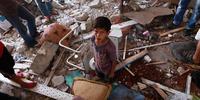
x,y
149,46
161,92
148,82
188,85
172,31
131,59
53,69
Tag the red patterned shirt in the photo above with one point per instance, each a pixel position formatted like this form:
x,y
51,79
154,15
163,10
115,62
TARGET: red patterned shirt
x,y
1,49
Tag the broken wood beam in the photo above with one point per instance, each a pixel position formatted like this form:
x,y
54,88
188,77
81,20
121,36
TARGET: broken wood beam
x,y
131,59
124,57
53,69
148,82
156,63
188,85
127,69
172,31
149,46
161,92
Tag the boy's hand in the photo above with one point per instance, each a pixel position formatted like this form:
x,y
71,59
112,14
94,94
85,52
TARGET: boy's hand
x,y
111,75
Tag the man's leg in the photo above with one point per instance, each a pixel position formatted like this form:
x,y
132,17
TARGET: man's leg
x,y
182,6
25,14
49,6
16,22
43,7
194,18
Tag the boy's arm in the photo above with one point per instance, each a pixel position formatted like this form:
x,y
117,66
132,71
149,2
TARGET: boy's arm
x,y
112,72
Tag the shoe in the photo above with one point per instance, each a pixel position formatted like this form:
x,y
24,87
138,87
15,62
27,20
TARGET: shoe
x,y
183,51
172,26
188,32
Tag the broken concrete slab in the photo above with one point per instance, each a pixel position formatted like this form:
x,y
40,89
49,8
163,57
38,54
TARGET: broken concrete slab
x,y
95,4
42,60
57,80
147,15
82,17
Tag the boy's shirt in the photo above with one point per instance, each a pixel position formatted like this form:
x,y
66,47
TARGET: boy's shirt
x,y
1,49
104,56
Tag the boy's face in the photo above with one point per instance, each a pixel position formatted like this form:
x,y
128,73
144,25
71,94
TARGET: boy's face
x,y
100,35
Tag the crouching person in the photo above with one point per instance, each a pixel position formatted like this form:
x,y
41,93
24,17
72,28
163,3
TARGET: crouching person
x,y
105,57
6,68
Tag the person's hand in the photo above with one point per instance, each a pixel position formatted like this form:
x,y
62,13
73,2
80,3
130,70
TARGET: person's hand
x,y
111,75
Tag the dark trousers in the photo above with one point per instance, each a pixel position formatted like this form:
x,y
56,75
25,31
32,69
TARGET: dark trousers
x,y
21,28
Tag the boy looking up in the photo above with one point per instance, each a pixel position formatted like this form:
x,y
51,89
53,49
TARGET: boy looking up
x,y
105,57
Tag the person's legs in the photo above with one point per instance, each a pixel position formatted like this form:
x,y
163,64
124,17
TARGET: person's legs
x,y
25,14
195,16
182,6
43,7
49,7
21,28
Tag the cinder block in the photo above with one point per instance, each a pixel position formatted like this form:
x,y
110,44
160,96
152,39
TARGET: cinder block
x,y
44,56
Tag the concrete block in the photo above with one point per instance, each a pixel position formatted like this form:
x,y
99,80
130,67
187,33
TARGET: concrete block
x,y
44,56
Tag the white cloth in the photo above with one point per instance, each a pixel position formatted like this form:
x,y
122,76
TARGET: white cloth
x,y
197,37
46,0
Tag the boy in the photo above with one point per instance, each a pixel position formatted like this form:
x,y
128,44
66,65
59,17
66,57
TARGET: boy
x,y
6,68
105,57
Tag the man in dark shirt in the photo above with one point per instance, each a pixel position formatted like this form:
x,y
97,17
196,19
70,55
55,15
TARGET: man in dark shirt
x,y
13,11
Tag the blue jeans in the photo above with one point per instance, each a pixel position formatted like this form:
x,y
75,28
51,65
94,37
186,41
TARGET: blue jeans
x,y
21,28
45,7
182,6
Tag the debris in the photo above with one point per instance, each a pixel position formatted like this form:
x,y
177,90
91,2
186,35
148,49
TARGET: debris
x,y
141,85
172,31
148,46
182,71
131,59
146,16
156,63
41,62
95,4
57,80
54,32
82,17
147,58
161,92
148,82
133,5
188,84
53,69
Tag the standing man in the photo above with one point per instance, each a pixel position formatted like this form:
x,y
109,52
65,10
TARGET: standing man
x,y
178,18
13,11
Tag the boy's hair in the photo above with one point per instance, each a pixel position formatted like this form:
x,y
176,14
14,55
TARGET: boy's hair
x,y
103,22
